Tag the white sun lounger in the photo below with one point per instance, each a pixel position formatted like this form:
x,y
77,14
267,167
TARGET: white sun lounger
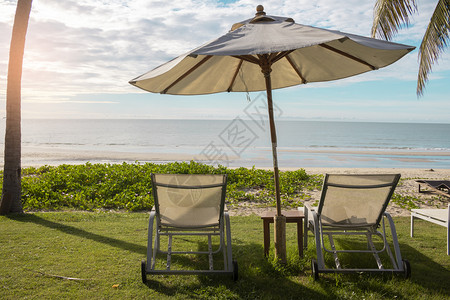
x,y
354,205
436,216
189,205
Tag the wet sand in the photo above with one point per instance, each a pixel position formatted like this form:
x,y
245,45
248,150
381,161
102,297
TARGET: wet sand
x,y
38,156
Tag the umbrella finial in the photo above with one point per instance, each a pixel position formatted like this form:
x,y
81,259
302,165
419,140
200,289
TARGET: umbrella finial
x,y
260,16
260,10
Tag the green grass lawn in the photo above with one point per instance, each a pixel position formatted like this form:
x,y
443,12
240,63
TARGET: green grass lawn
x,y
105,250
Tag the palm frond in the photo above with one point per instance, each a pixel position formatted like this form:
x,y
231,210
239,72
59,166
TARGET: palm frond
x,y
434,42
390,15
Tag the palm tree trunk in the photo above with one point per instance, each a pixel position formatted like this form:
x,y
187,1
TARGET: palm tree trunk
x,y
11,195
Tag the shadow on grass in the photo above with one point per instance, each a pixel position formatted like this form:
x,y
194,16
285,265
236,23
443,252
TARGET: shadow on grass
x,y
429,276
425,271
259,278
31,218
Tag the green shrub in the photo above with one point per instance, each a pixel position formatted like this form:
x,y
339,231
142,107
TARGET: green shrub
x,y
128,186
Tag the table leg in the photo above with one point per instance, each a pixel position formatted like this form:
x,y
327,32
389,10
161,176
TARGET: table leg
x,y
266,226
300,237
448,231
448,238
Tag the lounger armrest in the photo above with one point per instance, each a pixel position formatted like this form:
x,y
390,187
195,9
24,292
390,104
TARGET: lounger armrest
x,y
309,207
311,217
310,212
398,255
312,224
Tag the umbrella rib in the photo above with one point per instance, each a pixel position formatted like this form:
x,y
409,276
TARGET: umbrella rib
x,y
249,58
235,75
348,56
272,56
186,73
280,55
296,69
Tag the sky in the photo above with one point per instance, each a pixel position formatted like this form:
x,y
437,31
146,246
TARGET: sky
x,y
80,55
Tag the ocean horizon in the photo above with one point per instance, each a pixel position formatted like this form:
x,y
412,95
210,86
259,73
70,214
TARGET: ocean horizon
x,y
235,143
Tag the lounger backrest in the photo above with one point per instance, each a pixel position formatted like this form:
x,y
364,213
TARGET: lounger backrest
x,y
189,200
355,200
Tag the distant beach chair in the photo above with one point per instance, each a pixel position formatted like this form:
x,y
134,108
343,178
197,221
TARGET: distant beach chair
x,y
442,187
189,205
354,205
433,215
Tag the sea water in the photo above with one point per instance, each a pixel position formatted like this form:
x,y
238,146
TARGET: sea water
x,y
246,143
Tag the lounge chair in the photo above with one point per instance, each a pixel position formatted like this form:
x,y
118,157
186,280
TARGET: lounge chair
x,y
189,205
352,205
442,187
433,215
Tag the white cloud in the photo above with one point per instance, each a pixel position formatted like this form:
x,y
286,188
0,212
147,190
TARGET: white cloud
x,y
92,46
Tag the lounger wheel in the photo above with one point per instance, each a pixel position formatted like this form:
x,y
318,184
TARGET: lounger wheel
x,y
235,270
407,268
144,272
315,269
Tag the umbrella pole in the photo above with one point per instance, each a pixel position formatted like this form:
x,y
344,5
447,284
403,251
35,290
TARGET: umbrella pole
x,y
279,220
273,135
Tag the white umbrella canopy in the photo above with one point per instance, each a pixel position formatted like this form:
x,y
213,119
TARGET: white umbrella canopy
x,y
265,53
299,54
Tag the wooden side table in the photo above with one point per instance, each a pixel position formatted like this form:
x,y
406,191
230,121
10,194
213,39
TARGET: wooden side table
x,y
292,216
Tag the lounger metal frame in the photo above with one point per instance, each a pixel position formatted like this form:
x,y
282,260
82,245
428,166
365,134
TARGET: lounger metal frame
x,y
222,230
398,265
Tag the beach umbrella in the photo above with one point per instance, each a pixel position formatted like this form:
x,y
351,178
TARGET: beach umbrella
x,y
265,53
